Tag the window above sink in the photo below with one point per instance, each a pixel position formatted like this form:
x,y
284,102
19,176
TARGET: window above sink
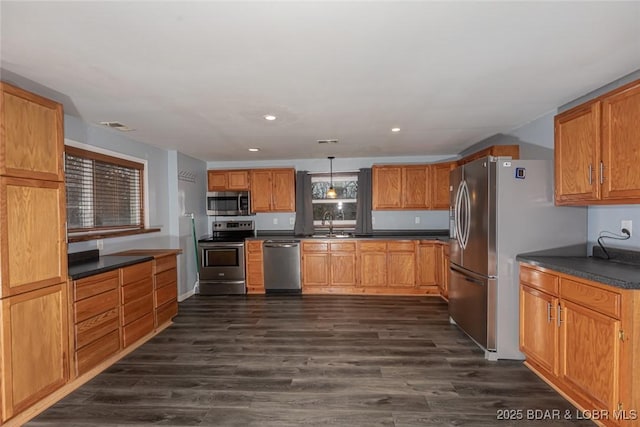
x,y
339,212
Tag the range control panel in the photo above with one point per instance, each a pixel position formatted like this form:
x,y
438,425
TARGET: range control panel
x,y
233,226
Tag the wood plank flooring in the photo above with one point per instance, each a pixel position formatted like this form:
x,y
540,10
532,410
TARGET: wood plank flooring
x,y
307,361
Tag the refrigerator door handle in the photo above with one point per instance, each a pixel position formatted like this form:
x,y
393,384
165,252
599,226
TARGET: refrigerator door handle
x,y
457,225
467,222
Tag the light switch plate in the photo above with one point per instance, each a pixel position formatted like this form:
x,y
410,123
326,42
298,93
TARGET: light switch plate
x,y
417,220
292,220
275,221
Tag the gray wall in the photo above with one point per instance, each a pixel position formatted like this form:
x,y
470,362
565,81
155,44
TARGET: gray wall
x,y
383,220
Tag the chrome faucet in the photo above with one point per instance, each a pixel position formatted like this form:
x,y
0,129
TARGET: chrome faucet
x,y
328,216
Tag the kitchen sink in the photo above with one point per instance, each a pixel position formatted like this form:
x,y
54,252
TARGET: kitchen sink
x,y
332,235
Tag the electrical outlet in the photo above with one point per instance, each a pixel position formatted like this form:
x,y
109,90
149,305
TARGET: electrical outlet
x,y
99,244
275,221
417,220
626,223
292,220
373,220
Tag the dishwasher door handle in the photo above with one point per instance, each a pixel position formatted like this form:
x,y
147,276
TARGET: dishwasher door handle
x,y
280,245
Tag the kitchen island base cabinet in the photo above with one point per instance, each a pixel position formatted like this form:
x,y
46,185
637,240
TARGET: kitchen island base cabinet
x,y
582,337
34,347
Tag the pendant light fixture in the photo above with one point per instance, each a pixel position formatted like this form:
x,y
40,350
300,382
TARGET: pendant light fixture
x,y
331,192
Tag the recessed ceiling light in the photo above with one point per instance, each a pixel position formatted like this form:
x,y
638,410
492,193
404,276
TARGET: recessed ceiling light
x,y
327,141
254,149
395,129
269,117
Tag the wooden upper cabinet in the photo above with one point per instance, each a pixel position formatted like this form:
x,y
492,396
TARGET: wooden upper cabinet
x,y
512,151
31,135
33,251
224,180
621,144
386,187
273,190
577,154
416,187
440,184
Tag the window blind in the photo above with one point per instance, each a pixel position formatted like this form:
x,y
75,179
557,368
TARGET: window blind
x,y
103,192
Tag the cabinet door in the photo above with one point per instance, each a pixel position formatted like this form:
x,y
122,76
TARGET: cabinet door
x,y
32,235
402,269
373,269
621,144
238,180
440,185
34,343
343,269
577,155
539,328
260,191
416,187
217,180
428,265
32,143
284,190
315,269
387,187
589,354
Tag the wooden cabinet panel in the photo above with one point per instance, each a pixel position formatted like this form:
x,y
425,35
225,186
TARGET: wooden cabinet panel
x,y
165,294
315,269
95,353
254,263
373,269
372,246
95,305
137,309
577,154
136,272
32,235
238,180
137,329
94,285
401,245
216,180
539,332
512,151
32,142
284,190
342,246
228,180
539,279
97,327
261,191
440,187
416,187
386,187
166,312
136,290
621,144
34,344
343,269
589,354
428,265
402,269
601,300
166,278
165,263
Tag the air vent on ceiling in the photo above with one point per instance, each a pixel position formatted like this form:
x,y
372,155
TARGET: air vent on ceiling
x,y
117,125
327,141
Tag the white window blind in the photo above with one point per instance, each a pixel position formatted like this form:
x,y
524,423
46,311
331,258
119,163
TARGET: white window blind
x,y
103,192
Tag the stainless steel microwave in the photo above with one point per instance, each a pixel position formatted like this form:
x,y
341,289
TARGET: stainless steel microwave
x,y
228,203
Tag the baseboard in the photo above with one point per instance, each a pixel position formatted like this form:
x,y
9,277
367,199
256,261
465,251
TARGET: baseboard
x,y
186,295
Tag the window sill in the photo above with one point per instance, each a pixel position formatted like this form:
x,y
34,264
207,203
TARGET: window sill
x,y
107,234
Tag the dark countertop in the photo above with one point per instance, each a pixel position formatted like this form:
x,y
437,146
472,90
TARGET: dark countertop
x,y
104,264
613,272
442,235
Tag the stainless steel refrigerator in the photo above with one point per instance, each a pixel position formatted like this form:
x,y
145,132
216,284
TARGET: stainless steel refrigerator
x,y
500,208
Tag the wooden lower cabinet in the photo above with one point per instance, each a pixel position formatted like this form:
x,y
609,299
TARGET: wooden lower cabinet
x,y
137,297
429,266
401,264
329,267
582,338
255,267
34,347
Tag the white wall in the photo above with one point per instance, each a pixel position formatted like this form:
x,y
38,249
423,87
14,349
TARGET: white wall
x,y
383,220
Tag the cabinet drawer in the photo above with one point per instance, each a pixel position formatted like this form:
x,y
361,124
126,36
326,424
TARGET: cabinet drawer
x,y
378,246
95,285
606,302
90,307
254,246
342,246
315,246
136,290
97,327
166,278
96,352
138,329
166,312
539,279
136,272
402,246
166,294
165,263
136,309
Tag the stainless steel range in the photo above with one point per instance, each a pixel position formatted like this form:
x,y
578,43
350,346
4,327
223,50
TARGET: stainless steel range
x,y
222,258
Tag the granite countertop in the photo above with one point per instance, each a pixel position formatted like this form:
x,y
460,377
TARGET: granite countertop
x,y
103,264
442,235
622,270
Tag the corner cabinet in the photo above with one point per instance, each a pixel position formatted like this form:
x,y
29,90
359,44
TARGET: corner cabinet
x,y
597,150
582,338
273,190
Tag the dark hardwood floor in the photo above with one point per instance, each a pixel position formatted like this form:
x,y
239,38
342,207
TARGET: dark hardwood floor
x,y
311,360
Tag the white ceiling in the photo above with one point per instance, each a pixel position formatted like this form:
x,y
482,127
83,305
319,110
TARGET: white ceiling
x,y
199,76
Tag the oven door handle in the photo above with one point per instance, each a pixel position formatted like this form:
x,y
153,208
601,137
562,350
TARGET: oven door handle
x,y
222,245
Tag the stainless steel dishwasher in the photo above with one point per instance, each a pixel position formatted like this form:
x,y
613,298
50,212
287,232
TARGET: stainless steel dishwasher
x,y
282,266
